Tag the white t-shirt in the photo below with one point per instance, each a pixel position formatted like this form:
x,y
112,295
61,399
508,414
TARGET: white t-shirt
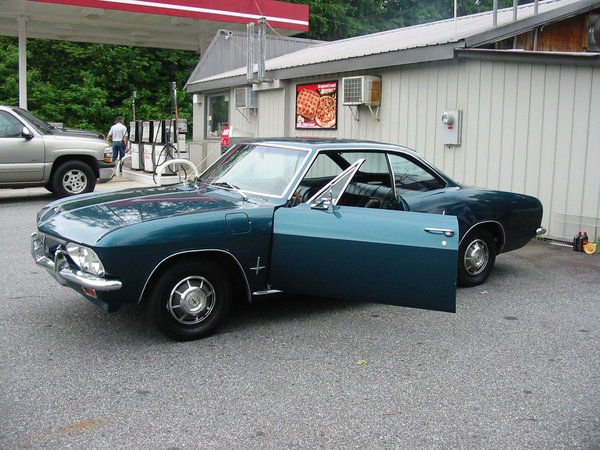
x,y
118,132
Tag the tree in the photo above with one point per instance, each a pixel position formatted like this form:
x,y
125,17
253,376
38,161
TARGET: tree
x,y
80,84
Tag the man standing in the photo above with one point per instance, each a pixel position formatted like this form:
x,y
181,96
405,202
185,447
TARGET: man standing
x,y
118,134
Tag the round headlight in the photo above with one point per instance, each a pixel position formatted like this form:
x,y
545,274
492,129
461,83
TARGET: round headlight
x,y
86,259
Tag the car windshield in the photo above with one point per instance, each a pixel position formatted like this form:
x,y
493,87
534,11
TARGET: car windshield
x,y
256,169
39,124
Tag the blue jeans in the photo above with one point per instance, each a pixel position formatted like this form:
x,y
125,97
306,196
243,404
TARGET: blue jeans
x,y
118,150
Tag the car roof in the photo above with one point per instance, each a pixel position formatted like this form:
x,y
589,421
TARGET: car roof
x,y
312,143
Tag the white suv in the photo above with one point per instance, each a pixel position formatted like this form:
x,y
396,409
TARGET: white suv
x,y
64,161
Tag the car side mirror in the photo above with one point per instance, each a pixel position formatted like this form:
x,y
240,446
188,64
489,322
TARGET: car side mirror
x,y
26,133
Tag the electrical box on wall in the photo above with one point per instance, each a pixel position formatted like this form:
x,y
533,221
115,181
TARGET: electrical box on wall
x,y
451,120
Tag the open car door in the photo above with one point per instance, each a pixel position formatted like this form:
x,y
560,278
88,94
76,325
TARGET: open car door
x,y
378,255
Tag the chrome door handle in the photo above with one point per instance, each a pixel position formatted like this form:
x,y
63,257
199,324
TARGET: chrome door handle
x,y
444,231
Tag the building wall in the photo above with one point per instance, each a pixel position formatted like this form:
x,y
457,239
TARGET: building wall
x,y
529,128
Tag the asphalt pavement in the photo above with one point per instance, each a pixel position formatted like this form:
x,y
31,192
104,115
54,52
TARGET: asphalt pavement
x,y
121,181
518,365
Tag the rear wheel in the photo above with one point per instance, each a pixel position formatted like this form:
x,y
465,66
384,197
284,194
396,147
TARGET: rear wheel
x,y
476,257
190,300
73,177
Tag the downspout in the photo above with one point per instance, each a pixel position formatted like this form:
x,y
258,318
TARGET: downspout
x,y
250,52
262,48
515,9
535,32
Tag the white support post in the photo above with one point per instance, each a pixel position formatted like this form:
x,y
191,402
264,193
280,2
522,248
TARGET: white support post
x,y
22,22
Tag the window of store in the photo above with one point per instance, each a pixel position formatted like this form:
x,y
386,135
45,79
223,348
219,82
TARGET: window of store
x,y
217,114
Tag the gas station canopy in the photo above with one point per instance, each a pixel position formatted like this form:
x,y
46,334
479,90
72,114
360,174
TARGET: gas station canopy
x,y
177,24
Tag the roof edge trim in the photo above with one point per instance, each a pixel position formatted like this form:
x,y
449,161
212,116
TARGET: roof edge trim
x,y
371,62
535,57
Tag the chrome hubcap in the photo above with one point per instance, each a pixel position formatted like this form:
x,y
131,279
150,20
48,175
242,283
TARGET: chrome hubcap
x,y
191,300
74,181
477,256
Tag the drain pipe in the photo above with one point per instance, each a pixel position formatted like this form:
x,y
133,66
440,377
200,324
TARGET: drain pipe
x,y
495,15
535,32
250,52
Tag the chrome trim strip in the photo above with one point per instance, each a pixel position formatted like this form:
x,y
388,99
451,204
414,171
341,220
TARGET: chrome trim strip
x,y
246,283
484,222
267,292
88,280
446,232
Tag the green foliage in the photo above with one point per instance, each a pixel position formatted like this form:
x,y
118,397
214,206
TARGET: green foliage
x,y
87,85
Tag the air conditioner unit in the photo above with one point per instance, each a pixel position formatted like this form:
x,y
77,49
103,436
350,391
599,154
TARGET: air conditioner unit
x,y
246,98
361,90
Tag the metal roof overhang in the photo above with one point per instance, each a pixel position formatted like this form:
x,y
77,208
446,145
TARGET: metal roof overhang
x,y
364,63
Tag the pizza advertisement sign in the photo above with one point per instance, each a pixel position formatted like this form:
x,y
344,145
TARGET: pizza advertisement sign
x,y
316,105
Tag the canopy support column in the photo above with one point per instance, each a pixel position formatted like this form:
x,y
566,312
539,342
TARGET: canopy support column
x,y
22,62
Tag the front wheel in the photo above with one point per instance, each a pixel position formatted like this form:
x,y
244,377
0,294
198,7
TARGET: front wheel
x,y
476,257
190,300
73,177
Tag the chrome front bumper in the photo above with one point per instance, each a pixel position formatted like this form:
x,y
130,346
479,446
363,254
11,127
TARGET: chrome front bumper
x,y
62,270
107,173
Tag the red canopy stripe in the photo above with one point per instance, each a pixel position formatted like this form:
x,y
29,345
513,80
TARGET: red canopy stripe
x,y
278,14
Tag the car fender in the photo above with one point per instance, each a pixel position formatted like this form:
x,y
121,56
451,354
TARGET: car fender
x,y
223,257
495,227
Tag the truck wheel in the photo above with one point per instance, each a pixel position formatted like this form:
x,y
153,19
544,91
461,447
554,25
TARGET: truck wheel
x,y
73,177
190,300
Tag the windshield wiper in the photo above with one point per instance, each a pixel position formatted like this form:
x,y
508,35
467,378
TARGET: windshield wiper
x,y
231,186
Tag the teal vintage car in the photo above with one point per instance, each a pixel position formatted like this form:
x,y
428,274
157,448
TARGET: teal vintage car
x,y
334,218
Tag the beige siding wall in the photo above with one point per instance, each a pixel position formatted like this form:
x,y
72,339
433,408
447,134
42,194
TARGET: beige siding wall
x,y
272,105
528,128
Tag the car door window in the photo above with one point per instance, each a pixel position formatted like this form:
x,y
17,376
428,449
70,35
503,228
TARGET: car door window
x,y
371,186
411,176
10,126
333,191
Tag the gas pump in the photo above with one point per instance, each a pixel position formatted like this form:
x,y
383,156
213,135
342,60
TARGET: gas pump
x,y
181,132
135,131
147,145
158,133
169,150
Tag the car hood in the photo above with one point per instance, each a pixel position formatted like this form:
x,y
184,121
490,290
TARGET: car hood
x,y
89,217
75,132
